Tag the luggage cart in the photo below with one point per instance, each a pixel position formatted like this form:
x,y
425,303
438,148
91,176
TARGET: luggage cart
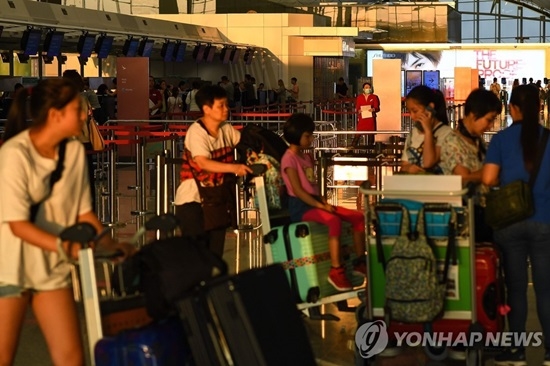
x,y
111,313
460,312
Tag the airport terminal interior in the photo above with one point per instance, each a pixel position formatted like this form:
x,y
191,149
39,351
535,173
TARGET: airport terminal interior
x,y
277,57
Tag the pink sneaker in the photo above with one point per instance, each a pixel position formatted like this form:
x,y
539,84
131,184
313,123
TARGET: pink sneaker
x,y
337,278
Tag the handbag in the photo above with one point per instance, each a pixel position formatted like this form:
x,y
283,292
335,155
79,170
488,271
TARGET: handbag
x,y
218,204
96,140
513,202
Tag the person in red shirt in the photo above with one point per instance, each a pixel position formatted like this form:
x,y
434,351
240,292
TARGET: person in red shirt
x,y
367,105
155,100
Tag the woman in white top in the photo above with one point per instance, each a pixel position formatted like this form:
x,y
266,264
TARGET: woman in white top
x,y
34,266
190,100
422,150
175,104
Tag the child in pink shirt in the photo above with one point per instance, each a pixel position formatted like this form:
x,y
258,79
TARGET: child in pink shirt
x,y
305,204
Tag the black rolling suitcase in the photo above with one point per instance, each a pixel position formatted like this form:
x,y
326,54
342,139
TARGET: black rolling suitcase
x,y
246,319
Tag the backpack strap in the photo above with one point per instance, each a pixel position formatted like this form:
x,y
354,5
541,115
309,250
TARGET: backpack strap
x,y
451,252
394,208
54,177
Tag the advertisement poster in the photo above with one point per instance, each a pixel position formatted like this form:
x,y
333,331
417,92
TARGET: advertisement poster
x,y
509,64
413,78
431,79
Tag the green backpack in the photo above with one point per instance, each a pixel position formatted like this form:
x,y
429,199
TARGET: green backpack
x,y
415,293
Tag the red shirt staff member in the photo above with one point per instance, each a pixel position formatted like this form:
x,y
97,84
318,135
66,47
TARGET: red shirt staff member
x,y
366,105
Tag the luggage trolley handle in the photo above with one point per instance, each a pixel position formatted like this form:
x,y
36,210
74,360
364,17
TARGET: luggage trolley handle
x,y
84,233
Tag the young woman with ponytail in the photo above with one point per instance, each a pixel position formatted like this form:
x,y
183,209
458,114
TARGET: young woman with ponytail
x,y
512,155
34,262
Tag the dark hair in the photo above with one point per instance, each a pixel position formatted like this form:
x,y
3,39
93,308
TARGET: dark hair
x,y
367,83
47,94
424,95
102,89
75,77
294,79
480,102
175,92
196,84
208,93
295,126
526,98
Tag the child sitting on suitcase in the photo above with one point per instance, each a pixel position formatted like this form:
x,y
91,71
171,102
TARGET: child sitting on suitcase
x,y
305,204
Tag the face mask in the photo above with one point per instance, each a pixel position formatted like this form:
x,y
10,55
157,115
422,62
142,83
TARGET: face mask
x,y
367,91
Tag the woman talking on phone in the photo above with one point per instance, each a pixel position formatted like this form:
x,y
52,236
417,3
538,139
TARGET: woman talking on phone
x,y
423,145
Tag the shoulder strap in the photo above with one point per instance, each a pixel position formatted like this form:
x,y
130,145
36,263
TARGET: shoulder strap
x,y
441,124
58,172
379,246
433,131
540,155
54,177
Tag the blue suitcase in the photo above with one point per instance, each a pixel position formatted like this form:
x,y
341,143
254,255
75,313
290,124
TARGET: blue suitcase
x,y
161,343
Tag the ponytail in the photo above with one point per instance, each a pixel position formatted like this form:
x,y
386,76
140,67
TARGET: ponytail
x,y
31,109
440,106
17,120
525,97
425,95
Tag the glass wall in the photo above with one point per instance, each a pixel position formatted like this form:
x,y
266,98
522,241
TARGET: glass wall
x,y
470,21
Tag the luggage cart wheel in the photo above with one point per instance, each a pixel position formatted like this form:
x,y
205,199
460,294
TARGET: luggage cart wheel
x,y
360,313
474,357
436,353
360,361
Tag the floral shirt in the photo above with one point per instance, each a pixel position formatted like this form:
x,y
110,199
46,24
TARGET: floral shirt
x,y
456,151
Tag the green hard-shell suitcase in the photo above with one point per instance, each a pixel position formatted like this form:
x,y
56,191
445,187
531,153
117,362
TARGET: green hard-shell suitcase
x,y
302,249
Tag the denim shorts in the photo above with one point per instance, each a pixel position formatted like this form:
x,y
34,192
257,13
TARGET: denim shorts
x,y
10,291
